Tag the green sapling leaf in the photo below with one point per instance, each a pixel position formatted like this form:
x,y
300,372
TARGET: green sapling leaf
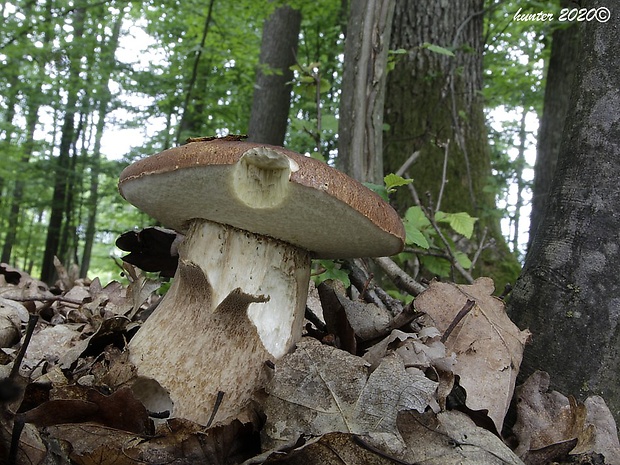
x,y
461,222
462,259
378,189
437,49
392,181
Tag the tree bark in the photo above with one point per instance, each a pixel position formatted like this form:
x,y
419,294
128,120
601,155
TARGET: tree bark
x,y
54,231
569,293
434,99
272,94
360,131
560,73
108,65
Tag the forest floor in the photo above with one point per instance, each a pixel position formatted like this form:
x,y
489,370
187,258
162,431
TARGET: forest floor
x,y
430,382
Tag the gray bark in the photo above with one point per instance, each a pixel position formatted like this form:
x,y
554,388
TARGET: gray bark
x,y
569,292
272,96
560,73
360,135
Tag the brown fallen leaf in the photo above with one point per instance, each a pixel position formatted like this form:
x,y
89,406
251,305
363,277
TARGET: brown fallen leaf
x,y
546,418
119,410
450,438
488,345
319,389
177,442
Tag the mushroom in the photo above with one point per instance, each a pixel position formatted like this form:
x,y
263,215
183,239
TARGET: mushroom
x,y
253,216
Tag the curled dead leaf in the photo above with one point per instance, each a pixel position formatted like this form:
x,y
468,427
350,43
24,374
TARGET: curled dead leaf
x,y
488,345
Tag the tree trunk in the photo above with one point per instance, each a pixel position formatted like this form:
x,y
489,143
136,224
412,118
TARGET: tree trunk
x,y
569,293
360,131
560,73
54,231
18,188
272,94
434,99
108,65
191,115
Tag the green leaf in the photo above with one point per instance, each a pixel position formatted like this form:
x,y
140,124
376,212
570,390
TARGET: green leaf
x,y
332,271
392,181
415,236
461,222
462,259
325,86
416,217
437,49
378,189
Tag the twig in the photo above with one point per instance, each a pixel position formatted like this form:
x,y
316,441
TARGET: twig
x,y
398,276
430,214
216,407
44,299
405,166
32,322
480,248
457,319
468,277
444,175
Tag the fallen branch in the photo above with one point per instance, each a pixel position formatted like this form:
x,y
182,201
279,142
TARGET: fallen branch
x,y
402,280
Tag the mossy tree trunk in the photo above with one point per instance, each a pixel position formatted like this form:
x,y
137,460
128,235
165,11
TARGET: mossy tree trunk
x,y
434,99
569,293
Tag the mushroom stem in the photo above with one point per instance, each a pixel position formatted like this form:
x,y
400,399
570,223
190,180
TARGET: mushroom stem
x,y
237,300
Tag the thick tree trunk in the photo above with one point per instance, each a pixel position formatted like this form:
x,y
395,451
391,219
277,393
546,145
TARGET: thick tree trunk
x,y
272,95
569,293
434,99
560,73
360,131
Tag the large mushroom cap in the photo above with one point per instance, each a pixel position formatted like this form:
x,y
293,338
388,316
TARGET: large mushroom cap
x,y
267,190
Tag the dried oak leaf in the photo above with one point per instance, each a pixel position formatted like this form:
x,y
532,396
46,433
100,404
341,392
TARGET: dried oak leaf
x,y
450,438
319,389
178,442
488,345
546,418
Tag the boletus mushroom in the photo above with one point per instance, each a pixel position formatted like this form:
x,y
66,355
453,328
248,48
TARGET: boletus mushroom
x,y
253,216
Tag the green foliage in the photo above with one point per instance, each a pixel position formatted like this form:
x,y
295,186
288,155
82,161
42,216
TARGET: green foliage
x,y
330,270
437,49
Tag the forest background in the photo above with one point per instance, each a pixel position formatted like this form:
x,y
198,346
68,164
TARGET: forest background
x,y
87,87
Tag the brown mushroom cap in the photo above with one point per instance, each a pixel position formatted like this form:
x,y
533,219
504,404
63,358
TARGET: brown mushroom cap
x,y
321,210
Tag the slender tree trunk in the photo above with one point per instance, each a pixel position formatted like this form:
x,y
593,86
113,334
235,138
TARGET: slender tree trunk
x,y
95,163
54,231
560,73
190,116
18,189
435,99
272,94
360,132
519,166
569,292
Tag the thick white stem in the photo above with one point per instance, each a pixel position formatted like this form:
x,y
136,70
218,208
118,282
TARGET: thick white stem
x,y
238,300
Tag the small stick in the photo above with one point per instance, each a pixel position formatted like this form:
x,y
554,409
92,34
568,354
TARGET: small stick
x,y
403,169
457,319
216,407
32,322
